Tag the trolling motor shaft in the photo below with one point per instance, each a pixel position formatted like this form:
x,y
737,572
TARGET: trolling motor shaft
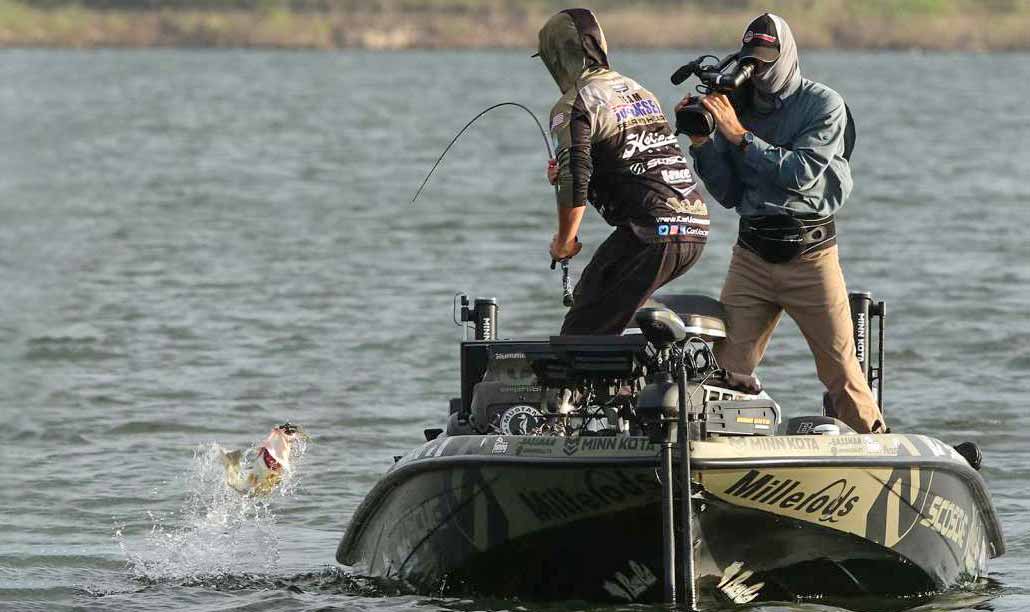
x,y
675,432
669,437
686,490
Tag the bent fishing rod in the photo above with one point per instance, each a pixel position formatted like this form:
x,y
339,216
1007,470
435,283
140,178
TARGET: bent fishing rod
x,y
566,285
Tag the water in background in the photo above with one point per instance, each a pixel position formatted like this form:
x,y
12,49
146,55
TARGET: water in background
x,y
195,246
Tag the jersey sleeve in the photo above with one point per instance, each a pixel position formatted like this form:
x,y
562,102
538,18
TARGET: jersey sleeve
x,y
571,133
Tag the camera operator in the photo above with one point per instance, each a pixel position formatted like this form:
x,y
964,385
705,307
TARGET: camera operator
x,y
781,164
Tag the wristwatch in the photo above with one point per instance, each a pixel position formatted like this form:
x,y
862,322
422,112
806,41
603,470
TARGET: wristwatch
x,y
745,140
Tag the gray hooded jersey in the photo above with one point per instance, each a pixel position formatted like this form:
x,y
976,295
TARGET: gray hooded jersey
x,y
614,146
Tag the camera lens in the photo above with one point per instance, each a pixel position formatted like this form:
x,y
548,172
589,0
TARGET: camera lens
x,y
694,120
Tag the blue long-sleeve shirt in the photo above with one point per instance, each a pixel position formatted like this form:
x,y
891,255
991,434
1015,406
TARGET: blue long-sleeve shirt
x,y
795,164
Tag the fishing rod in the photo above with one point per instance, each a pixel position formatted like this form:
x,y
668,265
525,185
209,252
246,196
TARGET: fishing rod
x,y
543,134
566,287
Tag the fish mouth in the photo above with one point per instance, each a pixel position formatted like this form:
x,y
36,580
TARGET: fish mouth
x,y
269,460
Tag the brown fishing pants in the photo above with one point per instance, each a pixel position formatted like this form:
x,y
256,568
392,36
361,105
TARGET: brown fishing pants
x,y
811,290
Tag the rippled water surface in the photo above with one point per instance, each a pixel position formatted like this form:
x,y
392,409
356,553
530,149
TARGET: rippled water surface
x,y
195,246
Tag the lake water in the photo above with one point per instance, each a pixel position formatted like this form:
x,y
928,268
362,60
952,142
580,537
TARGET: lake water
x,y
195,246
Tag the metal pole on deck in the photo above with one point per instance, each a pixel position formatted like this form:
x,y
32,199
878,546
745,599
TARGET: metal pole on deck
x,y
686,501
881,312
668,512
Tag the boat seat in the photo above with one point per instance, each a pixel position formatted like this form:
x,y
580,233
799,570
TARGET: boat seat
x,y
702,315
815,425
735,381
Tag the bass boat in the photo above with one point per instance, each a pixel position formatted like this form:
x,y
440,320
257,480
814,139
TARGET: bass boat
x,y
561,475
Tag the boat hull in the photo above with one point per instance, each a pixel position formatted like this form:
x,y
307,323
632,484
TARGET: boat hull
x,y
886,518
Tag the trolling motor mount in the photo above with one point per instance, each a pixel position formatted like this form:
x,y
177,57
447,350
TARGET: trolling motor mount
x,y
482,315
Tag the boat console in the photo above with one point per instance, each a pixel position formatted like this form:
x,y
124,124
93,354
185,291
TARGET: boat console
x,y
609,385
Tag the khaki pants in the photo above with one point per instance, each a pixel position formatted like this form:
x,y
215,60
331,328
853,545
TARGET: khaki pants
x,y
811,290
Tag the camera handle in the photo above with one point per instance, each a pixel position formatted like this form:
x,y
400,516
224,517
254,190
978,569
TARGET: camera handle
x,y
695,68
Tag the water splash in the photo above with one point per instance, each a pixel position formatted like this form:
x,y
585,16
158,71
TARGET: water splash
x,y
216,531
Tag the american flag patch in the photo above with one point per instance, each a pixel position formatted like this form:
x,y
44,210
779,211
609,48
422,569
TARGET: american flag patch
x,y
557,121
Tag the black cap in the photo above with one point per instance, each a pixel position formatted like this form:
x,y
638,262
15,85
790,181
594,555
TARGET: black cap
x,y
761,40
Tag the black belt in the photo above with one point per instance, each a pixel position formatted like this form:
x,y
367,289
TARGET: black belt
x,y
781,238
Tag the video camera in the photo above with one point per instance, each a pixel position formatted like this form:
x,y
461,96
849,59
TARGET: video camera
x,y
694,119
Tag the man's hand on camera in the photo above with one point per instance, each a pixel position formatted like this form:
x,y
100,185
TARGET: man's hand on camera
x,y
725,117
685,102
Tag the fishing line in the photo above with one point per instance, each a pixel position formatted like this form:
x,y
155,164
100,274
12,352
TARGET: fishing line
x,y
543,134
567,297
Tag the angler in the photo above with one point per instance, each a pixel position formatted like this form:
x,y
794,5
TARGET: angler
x,y
615,150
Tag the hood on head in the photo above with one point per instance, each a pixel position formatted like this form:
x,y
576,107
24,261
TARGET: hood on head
x,y
768,39
572,42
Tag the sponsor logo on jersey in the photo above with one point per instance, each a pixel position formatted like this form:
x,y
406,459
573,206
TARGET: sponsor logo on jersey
x,y
646,141
640,109
677,176
666,161
651,164
686,207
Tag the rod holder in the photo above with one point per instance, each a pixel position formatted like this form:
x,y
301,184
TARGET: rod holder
x,y
482,315
864,311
